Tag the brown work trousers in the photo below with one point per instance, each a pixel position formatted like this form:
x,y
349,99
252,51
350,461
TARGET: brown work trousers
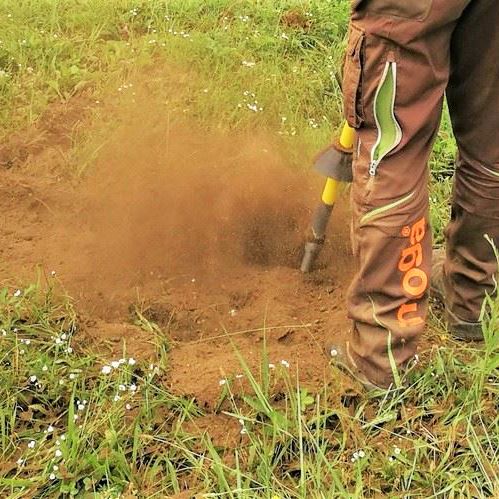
x,y
402,57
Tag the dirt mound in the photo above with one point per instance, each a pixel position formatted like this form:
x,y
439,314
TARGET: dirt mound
x,y
199,233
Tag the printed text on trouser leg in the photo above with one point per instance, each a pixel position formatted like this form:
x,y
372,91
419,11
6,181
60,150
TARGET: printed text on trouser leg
x,y
414,280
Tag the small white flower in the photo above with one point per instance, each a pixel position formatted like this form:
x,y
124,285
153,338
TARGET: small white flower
x,y
72,376
75,417
17,293
61,381
133,387
53,273
131,361
22,351
81,407
106,369
50,429
334,352
52,476
243,431
69,350
271,366
240,376
63,437
122,361
64,336
285,363
45,368
397,451
20,461
121,388
233,312
32,378
128,407
58,453
248,64
222,382
56,468
115,364
4,333
31,444
362,454
117,398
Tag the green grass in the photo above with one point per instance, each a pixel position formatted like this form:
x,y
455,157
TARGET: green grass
x,y
437,437
93,433
242,54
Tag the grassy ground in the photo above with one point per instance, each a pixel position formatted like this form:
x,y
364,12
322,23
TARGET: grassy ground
x,y
71,425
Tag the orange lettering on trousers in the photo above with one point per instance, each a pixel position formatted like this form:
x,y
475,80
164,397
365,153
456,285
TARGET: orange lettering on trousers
x,y
405,309
414,280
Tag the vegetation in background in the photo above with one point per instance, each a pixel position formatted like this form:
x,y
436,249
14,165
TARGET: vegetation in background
x,y
73,425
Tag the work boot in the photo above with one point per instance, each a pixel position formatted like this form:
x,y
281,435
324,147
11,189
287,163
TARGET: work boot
x,y
459,329
342,359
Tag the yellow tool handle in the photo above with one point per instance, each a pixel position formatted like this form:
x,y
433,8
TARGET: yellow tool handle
x,y
330,192
347,137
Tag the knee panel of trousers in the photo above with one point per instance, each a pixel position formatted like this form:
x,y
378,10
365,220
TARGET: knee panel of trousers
x,y
477,189
394,215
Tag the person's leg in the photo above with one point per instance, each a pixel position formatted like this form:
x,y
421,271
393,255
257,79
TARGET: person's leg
x,y
396,73
473,96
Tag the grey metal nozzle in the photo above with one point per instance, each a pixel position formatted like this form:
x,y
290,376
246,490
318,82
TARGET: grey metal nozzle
x,y
312,250
314,246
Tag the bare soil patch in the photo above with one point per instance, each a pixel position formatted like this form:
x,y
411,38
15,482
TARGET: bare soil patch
x,y
199,232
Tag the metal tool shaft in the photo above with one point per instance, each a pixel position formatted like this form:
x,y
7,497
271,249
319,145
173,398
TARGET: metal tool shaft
x,y
314,245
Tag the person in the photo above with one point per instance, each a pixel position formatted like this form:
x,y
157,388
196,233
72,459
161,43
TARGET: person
x,y
402,57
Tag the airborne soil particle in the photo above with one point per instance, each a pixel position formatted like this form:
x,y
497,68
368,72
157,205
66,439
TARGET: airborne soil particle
x,y
200,232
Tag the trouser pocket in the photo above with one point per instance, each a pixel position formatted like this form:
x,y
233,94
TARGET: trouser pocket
x,y
352,77
389,133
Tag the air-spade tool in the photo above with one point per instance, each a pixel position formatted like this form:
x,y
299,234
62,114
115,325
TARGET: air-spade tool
x,y
335,163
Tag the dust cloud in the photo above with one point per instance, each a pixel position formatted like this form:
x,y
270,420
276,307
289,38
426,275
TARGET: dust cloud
x,y
166,199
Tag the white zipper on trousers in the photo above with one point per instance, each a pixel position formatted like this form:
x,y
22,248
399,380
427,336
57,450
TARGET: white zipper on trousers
x,y
376,159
